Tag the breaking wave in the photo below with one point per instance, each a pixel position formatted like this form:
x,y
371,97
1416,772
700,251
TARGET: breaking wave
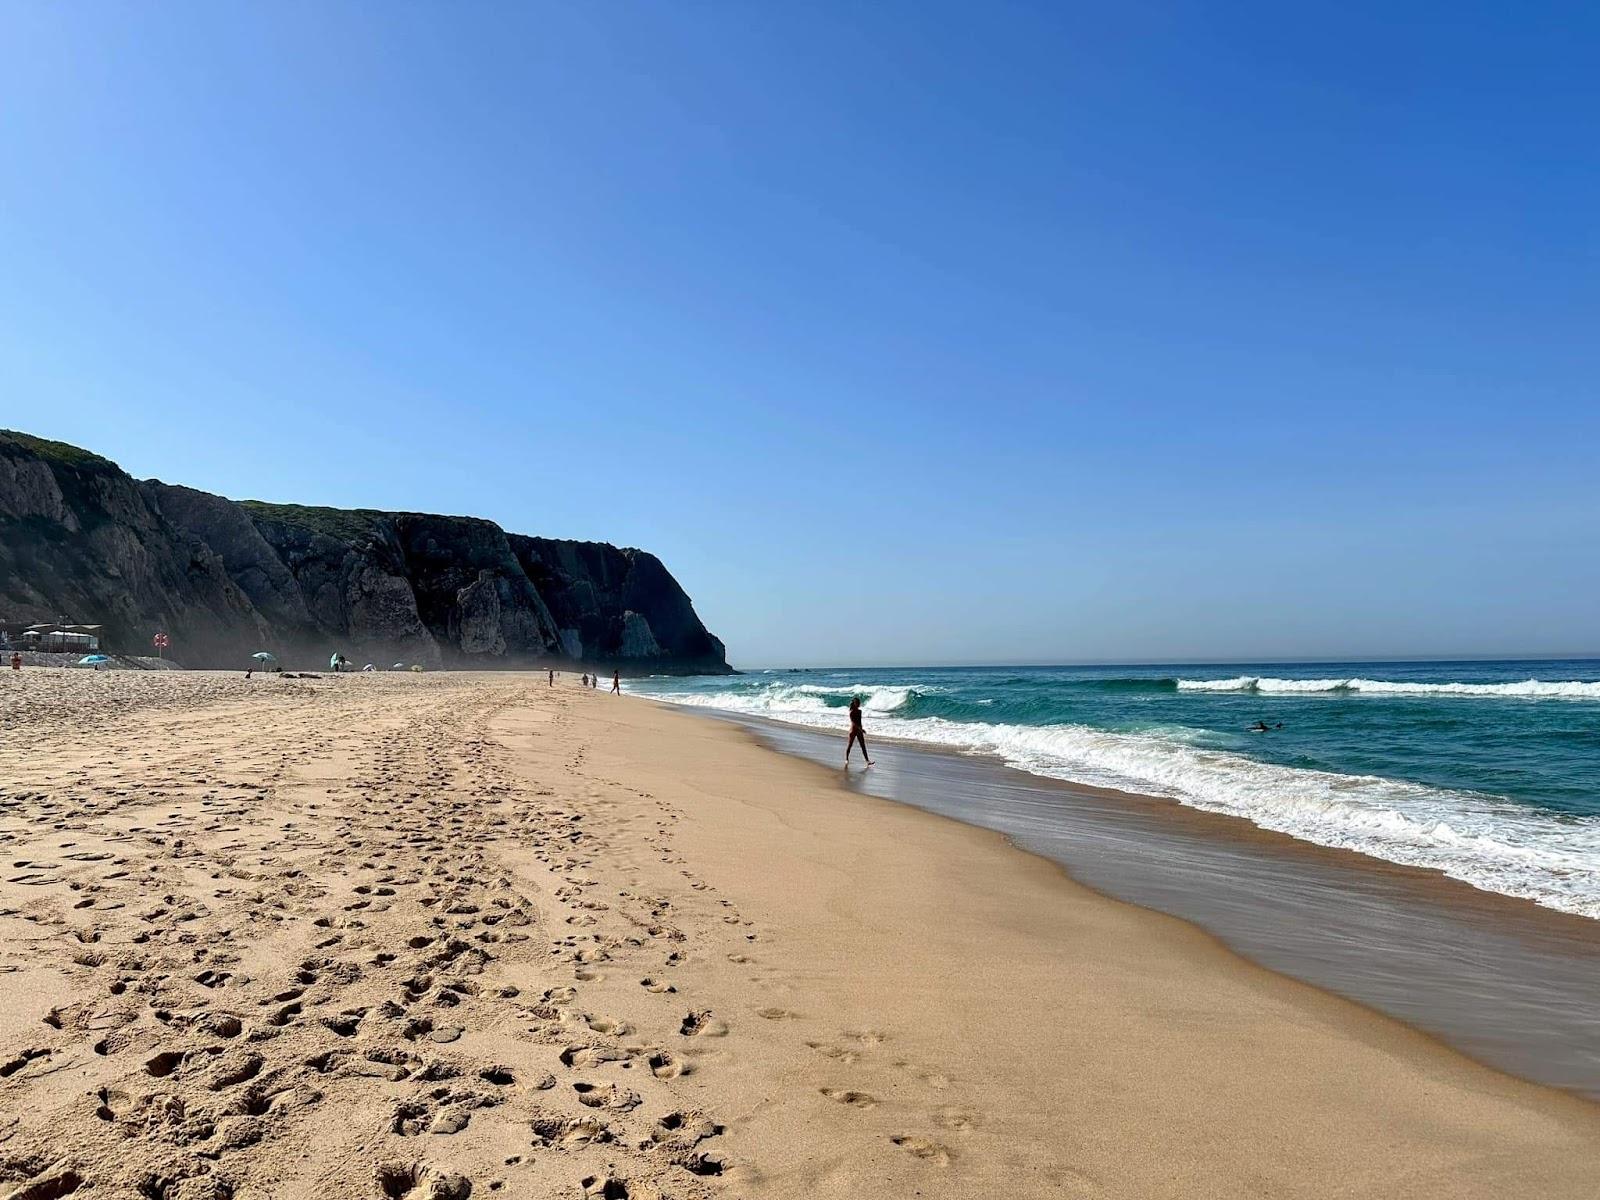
x,y
1534,688
1488,841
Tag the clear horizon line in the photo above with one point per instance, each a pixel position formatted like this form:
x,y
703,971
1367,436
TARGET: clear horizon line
x,y
1582,656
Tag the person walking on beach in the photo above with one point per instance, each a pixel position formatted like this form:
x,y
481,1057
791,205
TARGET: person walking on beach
x,y
616,683
552,677
856,733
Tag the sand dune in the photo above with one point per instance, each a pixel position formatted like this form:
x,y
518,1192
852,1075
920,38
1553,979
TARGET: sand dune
x,y
451,935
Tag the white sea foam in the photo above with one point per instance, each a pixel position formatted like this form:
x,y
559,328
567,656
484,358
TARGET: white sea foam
x,y
1534,688
795,700
1487,841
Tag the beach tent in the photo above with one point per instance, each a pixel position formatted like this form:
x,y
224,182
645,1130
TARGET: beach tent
x,y
369,667
93,660
398,667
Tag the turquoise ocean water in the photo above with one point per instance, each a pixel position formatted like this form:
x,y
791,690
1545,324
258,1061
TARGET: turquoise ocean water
x,y
1487,771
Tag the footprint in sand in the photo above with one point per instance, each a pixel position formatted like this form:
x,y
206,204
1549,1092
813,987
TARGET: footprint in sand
x,y
922,1148
865,1037
664,1064
580,1057
701,1024
568,1133
607,1096
853,1099
684,1130
419,1181
837,1053
613,1187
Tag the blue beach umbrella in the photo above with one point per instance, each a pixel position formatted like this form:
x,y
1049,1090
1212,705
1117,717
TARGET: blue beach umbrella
x,y
89,660
263,656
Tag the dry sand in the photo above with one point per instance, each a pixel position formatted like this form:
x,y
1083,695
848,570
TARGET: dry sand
x,y
426,936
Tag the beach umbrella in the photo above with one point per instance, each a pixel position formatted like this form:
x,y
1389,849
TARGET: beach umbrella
x,y
263,656
398,667
89,660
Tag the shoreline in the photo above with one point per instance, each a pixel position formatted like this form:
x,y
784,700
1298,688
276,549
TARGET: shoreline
x,y
424,935
1155,933
1524,1015
1475,779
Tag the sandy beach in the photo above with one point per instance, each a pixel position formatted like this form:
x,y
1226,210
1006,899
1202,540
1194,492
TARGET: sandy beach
x,y
464,934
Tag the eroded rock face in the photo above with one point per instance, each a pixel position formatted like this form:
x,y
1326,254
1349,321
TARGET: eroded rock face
x,y
79,537
478,617
638,640
617,603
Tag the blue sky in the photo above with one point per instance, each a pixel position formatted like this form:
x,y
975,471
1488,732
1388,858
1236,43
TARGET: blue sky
x,y
902,332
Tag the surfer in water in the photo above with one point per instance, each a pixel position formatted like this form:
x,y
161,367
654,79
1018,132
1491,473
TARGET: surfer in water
x,y
856,734
1263,727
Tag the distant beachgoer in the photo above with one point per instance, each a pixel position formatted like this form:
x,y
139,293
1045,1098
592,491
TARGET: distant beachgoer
x,y
584,682
616,682
552,678
249,671
16,661
1260,727
856,733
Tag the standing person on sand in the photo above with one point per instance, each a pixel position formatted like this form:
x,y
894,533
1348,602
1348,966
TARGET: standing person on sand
x,y
552,677
16,661
616,683
856,734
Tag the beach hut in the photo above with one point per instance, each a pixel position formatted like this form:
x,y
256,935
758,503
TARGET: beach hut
x,y
62,639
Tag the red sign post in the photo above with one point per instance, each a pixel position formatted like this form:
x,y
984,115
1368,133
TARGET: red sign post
x,y
161,641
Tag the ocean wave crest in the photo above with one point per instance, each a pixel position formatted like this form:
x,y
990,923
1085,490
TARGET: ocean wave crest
x,y
794,700
1529,688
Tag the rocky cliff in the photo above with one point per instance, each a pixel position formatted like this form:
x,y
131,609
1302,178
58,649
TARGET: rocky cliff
x,y
81,538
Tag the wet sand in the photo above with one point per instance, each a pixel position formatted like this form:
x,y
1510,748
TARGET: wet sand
x,y
1509,982
450,935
